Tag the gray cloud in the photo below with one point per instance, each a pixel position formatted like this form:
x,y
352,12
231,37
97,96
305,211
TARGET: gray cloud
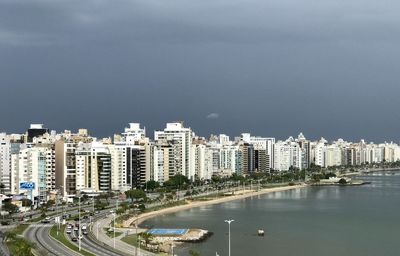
x,y
212,116
272,67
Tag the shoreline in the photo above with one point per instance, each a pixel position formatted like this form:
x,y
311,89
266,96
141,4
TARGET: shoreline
x,y
194,204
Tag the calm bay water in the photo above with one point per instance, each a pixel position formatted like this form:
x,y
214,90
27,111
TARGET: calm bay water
x,y
362,220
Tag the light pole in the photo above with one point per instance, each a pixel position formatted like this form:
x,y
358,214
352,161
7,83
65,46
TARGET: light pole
x,y
172,249
139,244
79,228
114,228
58,226
97,231
229,235
136,226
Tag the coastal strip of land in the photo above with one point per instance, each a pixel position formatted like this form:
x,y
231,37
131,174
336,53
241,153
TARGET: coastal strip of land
x,y
193,204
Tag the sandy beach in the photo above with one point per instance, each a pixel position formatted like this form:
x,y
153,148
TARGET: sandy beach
x,y
193,204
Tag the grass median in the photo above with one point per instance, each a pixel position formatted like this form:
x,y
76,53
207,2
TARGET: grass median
x,y
65,241
110,233
131,239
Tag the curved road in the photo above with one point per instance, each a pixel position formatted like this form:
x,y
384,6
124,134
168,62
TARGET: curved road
x,y
88,245
39,234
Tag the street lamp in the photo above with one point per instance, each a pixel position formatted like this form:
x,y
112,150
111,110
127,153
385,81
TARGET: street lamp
x,y
79,229
136,226
114,228
58,212
97,230
172,249
229,235
139,244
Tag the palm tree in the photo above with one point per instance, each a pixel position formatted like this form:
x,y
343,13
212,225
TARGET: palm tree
x,y
24,248
11,235
147,237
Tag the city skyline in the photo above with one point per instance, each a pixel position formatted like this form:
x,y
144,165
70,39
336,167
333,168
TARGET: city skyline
x,y
151,135
77,161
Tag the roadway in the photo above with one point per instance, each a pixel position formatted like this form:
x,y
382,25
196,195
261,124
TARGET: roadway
x,y
39,234
45,245
89,244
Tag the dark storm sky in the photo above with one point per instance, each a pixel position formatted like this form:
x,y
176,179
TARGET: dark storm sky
x,y
270,67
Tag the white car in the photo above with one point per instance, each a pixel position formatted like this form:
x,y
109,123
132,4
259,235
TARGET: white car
x,y
69,231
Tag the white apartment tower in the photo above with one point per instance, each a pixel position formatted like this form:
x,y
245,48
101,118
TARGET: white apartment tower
x,y
287,154
29,165
5,161
93,167
180,140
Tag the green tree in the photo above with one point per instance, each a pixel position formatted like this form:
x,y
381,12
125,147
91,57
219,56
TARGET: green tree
x,y
9,207
106,196
147,237
177,181
216,179
142,207
99,205
120,211
11,235
23,248
50,203
135,194
124,205
152,185
26,202
342,181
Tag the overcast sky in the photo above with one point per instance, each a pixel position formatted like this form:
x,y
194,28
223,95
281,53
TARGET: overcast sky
x,y
270,67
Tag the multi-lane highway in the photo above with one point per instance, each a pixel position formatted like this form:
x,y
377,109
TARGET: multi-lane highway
x,y
40,235
90,244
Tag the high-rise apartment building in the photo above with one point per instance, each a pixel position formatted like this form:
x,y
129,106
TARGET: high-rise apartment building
x,y
179,139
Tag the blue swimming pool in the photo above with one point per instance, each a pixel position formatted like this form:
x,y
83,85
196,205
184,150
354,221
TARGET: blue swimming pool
x,y
166,232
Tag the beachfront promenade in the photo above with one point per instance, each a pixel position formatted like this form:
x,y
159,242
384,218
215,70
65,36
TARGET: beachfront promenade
x,y
238,194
